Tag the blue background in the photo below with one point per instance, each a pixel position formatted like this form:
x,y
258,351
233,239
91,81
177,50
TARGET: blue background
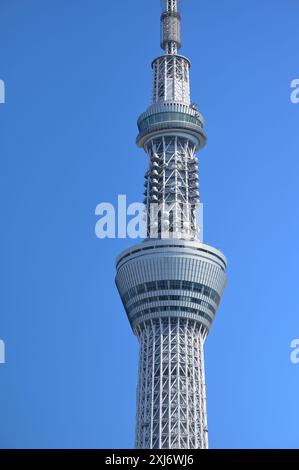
x,y
77,76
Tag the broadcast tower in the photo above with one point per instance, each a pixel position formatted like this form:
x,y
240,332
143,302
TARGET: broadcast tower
x,y
171,284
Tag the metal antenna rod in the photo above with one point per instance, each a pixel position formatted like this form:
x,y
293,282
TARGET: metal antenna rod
x,y
170,27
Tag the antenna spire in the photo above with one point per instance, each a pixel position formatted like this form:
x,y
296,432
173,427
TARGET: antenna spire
x,y
170,27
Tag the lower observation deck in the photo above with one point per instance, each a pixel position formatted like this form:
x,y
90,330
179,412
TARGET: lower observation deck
x,y
171,278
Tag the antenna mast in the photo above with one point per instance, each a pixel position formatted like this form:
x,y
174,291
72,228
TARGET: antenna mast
x,y
170,27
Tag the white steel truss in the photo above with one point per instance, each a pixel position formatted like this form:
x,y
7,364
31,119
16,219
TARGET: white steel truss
x,y
171,79
172,187
170,5
171,397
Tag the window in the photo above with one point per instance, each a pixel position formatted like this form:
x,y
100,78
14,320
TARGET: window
x,y
186,285
167,117
162,285
141,289
173,284
150,286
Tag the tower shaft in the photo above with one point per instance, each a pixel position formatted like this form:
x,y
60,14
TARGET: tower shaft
x,y
171,397
171,284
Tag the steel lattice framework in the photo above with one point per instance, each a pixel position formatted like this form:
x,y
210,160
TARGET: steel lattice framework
x,y
172,184
171,399
171,284
171,79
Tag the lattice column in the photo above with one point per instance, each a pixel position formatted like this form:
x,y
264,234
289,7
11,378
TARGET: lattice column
x,y
171,79
172,189
171,403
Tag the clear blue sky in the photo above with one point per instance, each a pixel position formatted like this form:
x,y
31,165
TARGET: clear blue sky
x,y
77,76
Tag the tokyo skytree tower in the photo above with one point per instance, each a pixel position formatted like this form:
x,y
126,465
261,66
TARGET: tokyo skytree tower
x,y
171,284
